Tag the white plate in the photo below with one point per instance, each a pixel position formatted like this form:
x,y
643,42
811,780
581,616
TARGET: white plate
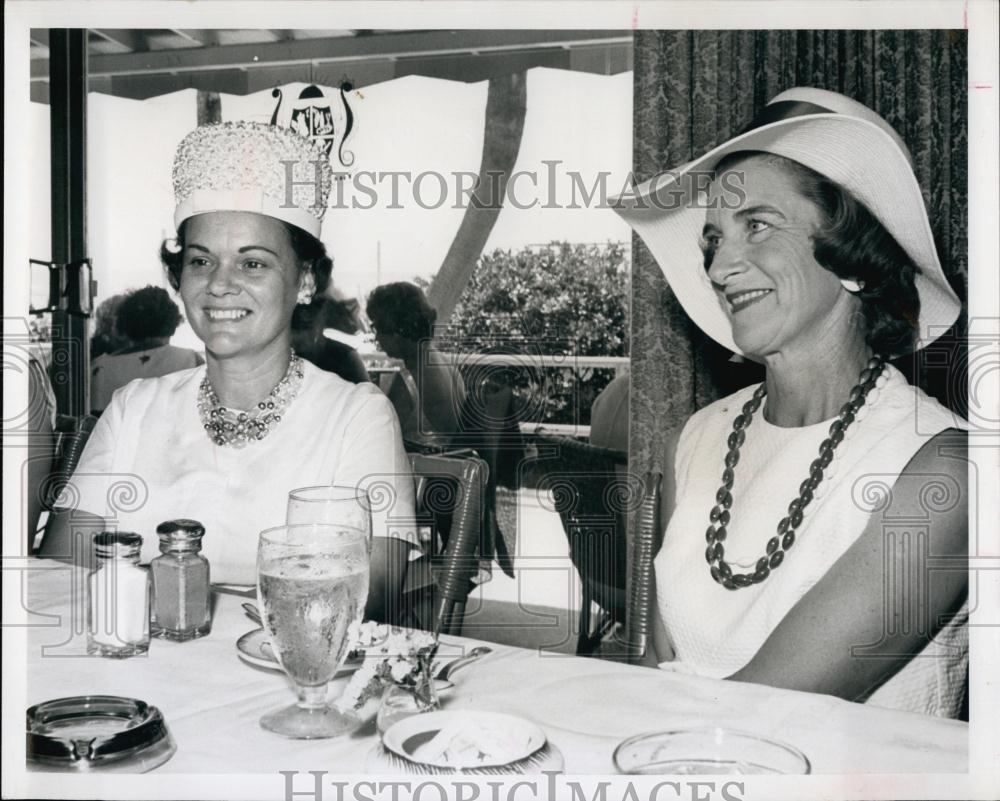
x,y
403,738
255,648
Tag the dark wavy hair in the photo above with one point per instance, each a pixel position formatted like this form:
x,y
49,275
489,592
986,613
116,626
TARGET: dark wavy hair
x,y
147,313
106,338
401,308
307,248
852,243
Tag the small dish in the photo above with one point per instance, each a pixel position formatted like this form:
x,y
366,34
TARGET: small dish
x,y
255,648
464,741
97,733
708,751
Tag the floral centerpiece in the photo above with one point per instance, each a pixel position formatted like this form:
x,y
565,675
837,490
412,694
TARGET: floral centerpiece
x,y
392,656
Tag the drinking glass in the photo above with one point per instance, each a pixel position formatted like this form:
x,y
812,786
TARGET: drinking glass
x,y
312,584
331,504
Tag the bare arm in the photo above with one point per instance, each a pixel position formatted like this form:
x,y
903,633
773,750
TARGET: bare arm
x,y
373,459
441,396
811,649
68,535
69,531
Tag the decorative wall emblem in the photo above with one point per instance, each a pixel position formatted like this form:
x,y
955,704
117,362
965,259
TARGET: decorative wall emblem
x,y
319,114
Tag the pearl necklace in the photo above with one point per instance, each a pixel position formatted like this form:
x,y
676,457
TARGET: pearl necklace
x,y
719,517
237,428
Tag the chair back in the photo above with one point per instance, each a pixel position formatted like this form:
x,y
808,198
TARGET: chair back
x,y
489,425
451,484
72,436
592,499
645,544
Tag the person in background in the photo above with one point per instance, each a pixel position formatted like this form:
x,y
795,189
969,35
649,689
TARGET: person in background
x,y
609,415
106,338
147,318
309,341
428,393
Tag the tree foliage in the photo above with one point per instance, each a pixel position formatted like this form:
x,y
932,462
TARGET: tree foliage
x,y
560,299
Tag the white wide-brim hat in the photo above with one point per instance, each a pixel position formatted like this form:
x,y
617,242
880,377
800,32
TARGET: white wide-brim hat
x,y
837,137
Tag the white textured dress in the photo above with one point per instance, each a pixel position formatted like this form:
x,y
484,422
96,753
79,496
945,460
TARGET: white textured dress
x,y
149,460
715,631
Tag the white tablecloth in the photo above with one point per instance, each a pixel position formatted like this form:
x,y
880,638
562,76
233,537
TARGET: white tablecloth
x,y
212,700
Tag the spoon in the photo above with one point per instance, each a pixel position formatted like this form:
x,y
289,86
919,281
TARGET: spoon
x,y
442,679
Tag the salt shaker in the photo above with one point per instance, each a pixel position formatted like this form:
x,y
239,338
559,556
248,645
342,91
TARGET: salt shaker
x,y
181,589
117,597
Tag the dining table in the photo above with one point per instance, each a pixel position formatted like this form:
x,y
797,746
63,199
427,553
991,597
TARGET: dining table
x,y
212,699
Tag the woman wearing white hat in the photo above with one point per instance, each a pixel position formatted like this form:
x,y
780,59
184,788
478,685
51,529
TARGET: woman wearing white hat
x,y
817,523
225,443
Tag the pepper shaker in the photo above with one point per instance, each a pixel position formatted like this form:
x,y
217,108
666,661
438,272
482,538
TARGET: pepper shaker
x,y
181,586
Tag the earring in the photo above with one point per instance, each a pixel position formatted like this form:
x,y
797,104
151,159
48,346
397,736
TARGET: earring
x,y
851,285
305,297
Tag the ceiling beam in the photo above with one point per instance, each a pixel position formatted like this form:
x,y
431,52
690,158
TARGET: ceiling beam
x,y
132,39
347,48
198,37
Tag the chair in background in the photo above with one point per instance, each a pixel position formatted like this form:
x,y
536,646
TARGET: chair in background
x,y
592,498
645,544
448,487
488,425
71,435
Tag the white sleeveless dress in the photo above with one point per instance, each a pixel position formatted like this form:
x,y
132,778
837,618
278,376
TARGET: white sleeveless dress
x,y
714,631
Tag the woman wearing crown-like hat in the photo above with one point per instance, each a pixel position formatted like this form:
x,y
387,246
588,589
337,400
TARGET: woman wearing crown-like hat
x,y
817,523
225,443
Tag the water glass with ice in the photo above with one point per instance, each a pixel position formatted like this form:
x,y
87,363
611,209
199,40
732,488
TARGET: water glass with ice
x,y
312,584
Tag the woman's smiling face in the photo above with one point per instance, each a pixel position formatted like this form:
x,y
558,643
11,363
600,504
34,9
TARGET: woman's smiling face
x,y
239,282
759,257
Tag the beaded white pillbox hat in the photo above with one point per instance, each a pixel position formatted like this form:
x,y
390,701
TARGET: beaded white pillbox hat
x,y
251,166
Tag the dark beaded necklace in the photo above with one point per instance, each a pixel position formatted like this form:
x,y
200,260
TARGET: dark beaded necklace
x,y
716,534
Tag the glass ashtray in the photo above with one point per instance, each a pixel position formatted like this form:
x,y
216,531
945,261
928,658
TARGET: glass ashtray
x,y
97,732
708,751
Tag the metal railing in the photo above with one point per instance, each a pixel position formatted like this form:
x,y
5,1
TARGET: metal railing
x,y
567,361
378,365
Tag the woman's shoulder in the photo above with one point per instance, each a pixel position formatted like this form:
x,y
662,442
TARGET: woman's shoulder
x,y
717,414
164,387
163,395
704,430
910,407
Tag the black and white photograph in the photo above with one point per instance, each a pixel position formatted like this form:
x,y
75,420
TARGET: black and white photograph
x,y
485,401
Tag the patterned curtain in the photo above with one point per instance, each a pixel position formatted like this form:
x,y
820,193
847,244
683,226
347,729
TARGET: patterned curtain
x,y
694,89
